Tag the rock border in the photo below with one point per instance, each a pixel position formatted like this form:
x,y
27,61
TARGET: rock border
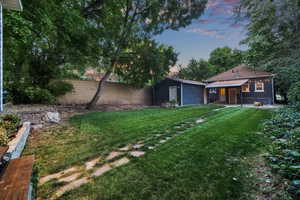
x,y
17,145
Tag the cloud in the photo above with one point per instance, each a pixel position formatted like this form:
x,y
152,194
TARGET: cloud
x,y
210,32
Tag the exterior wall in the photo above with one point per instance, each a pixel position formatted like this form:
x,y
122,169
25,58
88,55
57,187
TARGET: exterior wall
x,y
113,93
161,91
266,97
193,94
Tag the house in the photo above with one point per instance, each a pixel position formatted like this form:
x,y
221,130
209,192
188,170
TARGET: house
x,y
184,92
241,85
11,5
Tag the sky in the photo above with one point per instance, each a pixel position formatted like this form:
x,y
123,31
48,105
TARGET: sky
x,y
217,27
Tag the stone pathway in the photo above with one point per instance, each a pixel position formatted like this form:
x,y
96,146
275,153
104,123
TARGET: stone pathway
x,y
76,176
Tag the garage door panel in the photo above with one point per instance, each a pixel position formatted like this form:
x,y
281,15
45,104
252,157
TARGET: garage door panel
x,y
192,94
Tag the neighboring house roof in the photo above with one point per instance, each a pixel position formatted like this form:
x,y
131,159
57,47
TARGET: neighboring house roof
x,y
187,81
12,4
239,72
231,83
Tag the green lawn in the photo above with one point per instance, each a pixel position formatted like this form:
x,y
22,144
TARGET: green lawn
x,y
97,134
205,162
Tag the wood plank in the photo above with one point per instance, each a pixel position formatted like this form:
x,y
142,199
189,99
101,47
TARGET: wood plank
x,y
15,182
3,150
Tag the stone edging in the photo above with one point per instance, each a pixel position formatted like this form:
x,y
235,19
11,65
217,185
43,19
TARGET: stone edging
x,y
17,145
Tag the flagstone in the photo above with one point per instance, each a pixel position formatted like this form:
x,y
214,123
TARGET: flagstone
x,y
92,163
69,178
113,155
137,146
126,148
102,170
70,186
137,153
120,162
57,175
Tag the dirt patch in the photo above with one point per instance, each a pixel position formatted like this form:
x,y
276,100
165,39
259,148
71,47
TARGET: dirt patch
x,y
266,185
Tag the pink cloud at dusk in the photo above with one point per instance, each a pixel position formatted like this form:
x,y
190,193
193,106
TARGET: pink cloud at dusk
x,y
211,32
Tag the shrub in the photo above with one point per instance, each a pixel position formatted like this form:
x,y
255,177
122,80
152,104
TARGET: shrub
x,y
59,88
39,95
3,136
284,151
294,95
10,123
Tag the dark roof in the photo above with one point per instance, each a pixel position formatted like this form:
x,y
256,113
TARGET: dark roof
x,y
239,72
187,81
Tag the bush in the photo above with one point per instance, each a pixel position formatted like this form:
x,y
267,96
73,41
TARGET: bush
x,y
284,152
39,95
3,137
294,95
59,88
10,123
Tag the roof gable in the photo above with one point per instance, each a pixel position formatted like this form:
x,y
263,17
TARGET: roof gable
x,y
239,72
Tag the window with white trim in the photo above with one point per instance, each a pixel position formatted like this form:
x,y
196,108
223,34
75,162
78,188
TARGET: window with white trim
x,y
259,86
246,87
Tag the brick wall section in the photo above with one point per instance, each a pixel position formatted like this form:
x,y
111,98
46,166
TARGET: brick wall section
x,y
114,94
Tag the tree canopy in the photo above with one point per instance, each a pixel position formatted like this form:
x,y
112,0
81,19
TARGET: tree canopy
x,y
274,38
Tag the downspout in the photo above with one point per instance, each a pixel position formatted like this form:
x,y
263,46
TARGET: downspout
x,y
181,95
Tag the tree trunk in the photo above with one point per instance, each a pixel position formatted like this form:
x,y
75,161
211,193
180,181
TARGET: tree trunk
x,y
98,94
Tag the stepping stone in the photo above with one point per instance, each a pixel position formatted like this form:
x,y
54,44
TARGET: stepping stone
x,y
137,146
199,121
113,155
126,148
120,162
137,153
102,170
167,138
158,135
162,141
56,175
69,178
92,163
71,186
151,148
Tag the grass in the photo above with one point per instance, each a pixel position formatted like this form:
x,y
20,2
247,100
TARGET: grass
x,y
205,162
97,134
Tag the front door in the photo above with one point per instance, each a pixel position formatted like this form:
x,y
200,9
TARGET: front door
x,y
232,95
173,93
222,95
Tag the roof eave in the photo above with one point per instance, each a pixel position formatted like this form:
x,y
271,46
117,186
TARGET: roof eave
x,y
12,4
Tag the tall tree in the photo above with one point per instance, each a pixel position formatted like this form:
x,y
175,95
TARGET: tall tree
x,y
147,62
274,38
127,22
197,70
225,58
44,37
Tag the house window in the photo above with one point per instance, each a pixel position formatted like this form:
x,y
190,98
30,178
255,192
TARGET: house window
x,y
212,91
246,87
259,86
